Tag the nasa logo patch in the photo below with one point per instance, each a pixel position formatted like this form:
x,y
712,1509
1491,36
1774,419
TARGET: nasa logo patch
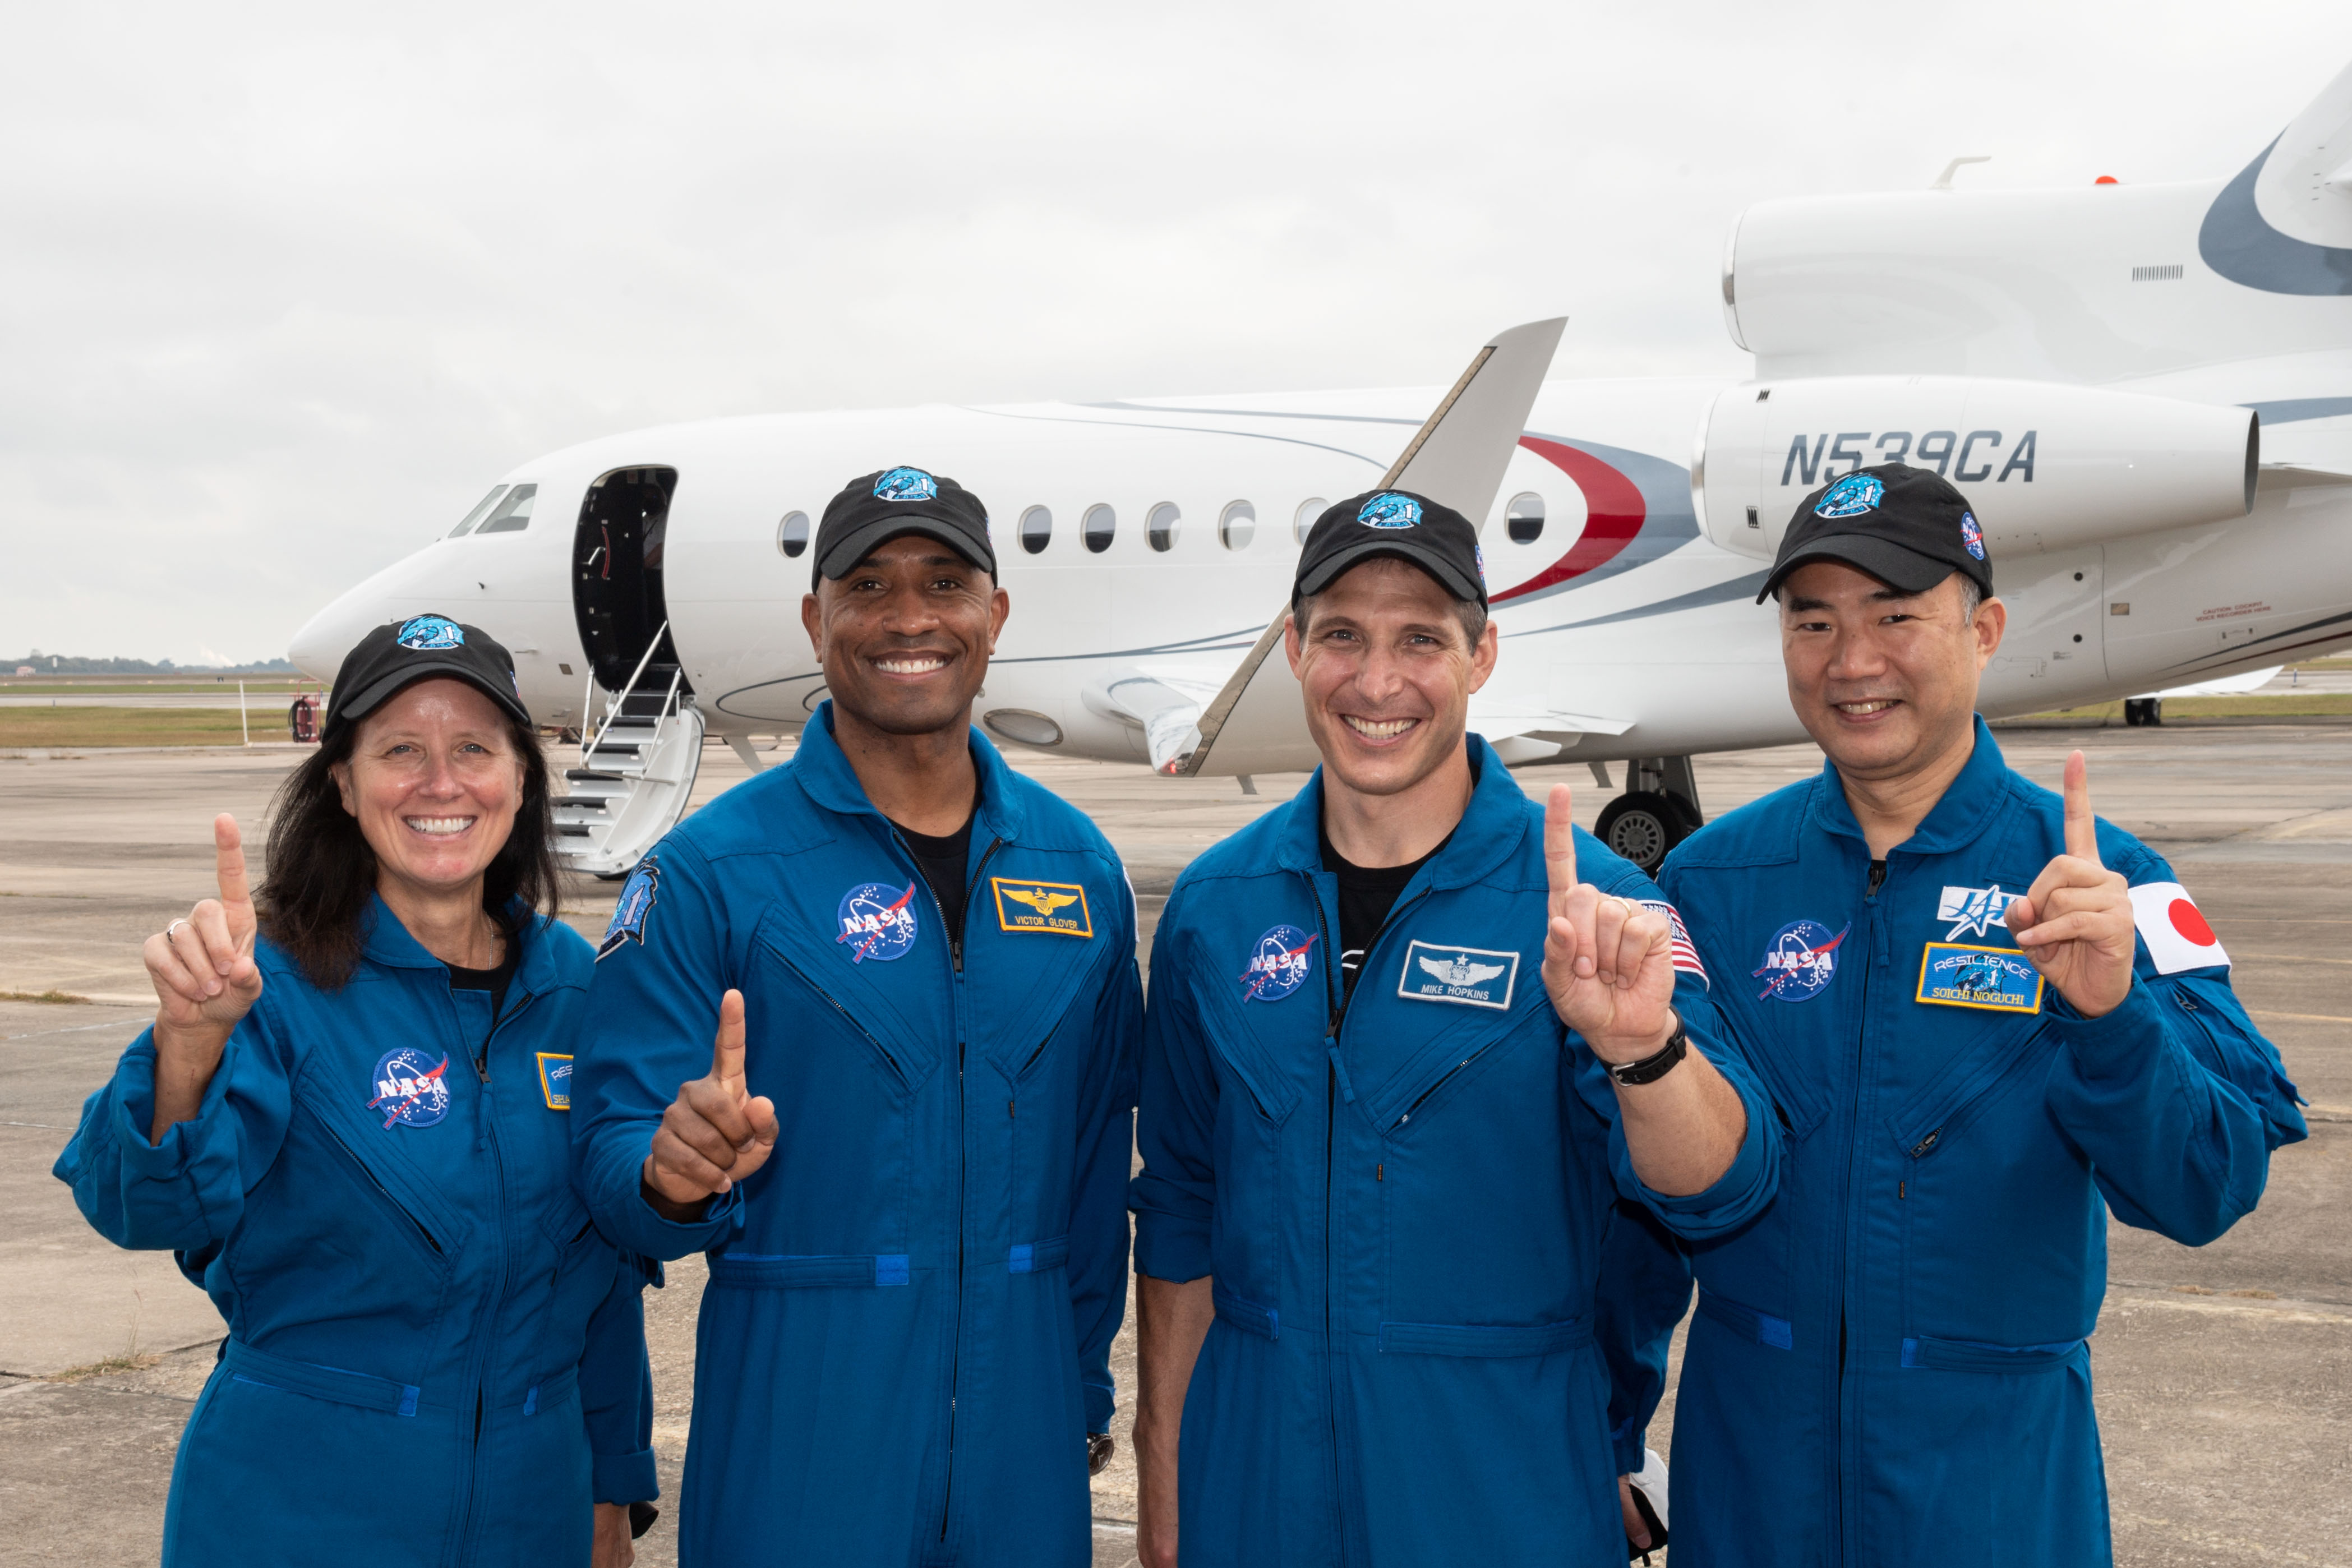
x,y
1851,497
1799,962
1999,980
425,633
877,922
637,896
1971,535
905,484
555,1079
409,1088
1389,510
1277,964
1474,976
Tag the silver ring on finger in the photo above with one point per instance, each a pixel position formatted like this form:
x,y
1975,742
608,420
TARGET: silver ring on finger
x,y
173,927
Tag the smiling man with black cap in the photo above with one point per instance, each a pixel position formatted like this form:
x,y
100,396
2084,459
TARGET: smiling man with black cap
x,y
1383,1157
906,1156
1990,1020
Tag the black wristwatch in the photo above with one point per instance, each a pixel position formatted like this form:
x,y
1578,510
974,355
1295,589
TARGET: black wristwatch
x,y
1099,1448
1657,1065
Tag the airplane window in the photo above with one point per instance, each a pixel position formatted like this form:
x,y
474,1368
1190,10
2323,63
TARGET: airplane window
x,y
513,514
1036,529
792,533
1236,524
1160,528
1098,526
1302,521
1525,517
476,515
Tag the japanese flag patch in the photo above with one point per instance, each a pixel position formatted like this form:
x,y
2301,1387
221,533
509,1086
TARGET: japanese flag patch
x,y
2177,936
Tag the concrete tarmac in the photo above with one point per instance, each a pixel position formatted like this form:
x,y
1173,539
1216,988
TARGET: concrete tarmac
x,y
2224,1373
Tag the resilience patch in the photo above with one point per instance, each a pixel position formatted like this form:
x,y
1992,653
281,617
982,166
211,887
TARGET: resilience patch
x,y
1998,979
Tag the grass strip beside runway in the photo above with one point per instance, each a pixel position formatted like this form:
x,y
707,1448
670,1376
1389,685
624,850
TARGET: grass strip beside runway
x,y
64,726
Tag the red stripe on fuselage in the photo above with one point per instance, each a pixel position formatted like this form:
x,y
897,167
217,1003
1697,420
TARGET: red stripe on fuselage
x,y
1613,514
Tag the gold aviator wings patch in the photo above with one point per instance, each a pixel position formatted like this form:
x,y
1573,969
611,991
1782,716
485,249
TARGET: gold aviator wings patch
x,y
1026,906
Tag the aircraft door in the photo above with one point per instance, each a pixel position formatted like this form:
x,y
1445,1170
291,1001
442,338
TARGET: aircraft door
x,y
617,556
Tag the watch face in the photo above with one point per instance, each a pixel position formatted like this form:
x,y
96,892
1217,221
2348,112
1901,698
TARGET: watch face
x,y
1101,1445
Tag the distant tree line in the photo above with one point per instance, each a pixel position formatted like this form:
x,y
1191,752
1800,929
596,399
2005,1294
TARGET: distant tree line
x,y
64,664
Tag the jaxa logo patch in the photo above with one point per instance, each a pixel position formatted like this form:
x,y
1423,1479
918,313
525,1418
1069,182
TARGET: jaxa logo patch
x,y
425,633
1277,964
905,484
629,915
1041,906
1474,976
1389,510
1851,497
877,922
2000,980
1974,911
1801,960
410,1089
1971,535
555,1080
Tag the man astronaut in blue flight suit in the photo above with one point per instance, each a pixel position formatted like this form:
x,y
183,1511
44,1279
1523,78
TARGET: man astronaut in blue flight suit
x,y
1986,1018
1381,1173
907,1159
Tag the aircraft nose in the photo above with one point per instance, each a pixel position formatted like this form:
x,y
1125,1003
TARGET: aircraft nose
x,y
318,649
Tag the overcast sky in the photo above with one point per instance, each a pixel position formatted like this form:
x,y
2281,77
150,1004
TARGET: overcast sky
x,y
285,286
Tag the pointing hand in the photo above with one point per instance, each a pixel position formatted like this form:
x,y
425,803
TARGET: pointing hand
x,y
202,967
715,1134
2075,923
1608,962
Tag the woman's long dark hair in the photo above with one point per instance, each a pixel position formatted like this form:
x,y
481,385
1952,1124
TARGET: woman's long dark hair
x,y
321,871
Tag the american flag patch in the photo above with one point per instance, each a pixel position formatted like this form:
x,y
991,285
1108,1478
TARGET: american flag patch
x,y
1685,950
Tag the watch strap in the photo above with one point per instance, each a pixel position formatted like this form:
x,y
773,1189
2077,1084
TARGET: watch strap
x,y
1659,1063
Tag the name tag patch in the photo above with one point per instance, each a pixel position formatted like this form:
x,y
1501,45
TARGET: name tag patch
x,y
1999,980
555,1080
1474,976
1058,907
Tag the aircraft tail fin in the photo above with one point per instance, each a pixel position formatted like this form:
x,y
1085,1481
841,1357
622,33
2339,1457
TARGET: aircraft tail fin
x,y
1254,724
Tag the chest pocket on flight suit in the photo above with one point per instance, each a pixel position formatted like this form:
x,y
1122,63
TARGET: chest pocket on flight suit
x,y
844,1067
1265,1055
1030,1003
1471,1125
1999,1209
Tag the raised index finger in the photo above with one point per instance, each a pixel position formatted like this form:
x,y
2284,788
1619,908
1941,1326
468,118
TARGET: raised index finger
x,y
1559,843
229,846
727,1052
2082,828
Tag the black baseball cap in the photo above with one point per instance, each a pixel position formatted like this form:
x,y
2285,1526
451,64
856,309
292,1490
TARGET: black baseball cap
x,y
1904,526
1430,535
421,647
877,508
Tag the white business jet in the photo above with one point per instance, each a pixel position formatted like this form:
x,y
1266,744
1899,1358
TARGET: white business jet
x,y
2145,392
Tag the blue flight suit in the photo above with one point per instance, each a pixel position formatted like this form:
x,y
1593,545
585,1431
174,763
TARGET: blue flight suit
x,y
433,1357
907,1335
1890,1365
1404,1204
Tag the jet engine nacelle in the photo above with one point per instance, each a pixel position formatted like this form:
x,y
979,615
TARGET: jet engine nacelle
x,y
2045,466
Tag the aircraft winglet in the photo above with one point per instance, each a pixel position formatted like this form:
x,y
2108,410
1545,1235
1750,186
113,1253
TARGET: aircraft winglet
x,y
1458,457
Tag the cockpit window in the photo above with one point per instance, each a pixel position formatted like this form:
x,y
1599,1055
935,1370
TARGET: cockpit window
x,y
479,513
513,514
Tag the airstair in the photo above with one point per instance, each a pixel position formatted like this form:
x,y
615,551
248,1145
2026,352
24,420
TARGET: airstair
x,y
637,769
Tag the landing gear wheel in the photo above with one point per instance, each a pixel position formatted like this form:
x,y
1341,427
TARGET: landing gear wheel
x,y
1642,826
2143,712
